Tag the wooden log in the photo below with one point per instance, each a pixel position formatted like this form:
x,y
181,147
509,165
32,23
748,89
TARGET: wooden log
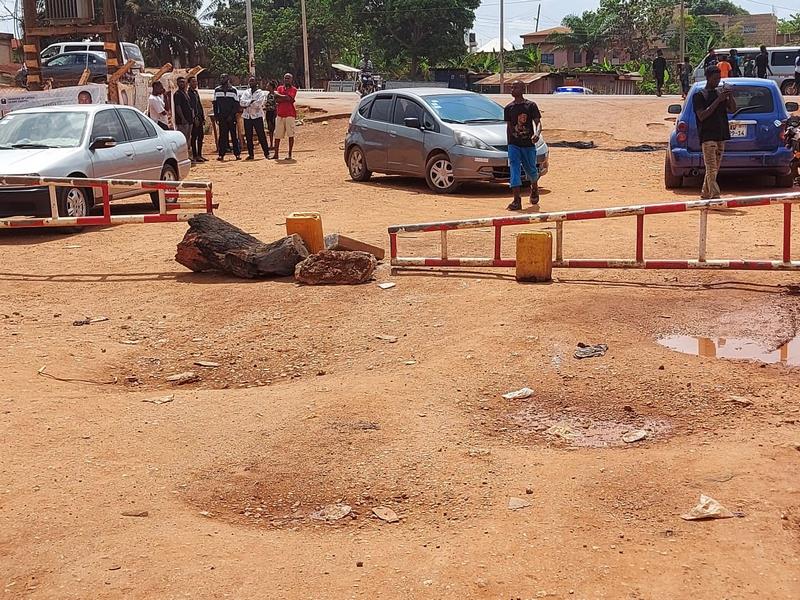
x,y
212,244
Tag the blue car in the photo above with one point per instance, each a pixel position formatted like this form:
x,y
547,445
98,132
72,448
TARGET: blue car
x,y
756,145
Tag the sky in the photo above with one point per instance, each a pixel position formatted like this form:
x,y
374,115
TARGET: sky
x,y
520,15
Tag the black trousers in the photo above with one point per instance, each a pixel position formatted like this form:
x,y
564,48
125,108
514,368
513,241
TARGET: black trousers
x,y
258,126
228,133
197,140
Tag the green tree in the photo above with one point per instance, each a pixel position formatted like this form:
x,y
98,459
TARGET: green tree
x,y
416,30
164,29
637,24
790,25
588,33
701,34
714,7
528,60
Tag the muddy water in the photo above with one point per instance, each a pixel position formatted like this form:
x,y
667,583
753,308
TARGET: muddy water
x,y
735,349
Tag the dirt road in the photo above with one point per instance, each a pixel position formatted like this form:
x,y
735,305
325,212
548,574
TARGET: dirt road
x,y
309,407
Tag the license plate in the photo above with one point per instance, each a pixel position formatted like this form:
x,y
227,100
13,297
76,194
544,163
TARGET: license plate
x,y
738,130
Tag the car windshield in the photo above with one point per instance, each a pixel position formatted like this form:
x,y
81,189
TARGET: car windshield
x,y
465,108
42,130
132,51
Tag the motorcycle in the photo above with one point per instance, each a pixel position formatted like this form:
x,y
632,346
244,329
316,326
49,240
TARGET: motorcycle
x,y
366,84
791,137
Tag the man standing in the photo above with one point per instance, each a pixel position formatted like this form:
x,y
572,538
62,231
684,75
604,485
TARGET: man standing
x,y
659,71
226,105
684,72
762,64
711,109
736,63
286,114
724,67
156,109
711,59
252,102
797,74
184,117
199,122
270,106
523,128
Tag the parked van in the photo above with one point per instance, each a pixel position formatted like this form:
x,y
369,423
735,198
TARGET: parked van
x,y
781,61
129,52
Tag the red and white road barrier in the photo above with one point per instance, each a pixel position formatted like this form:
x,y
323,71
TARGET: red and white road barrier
x,y
639,211
198,195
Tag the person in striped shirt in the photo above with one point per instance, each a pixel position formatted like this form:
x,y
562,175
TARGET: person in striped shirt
x,y
226,106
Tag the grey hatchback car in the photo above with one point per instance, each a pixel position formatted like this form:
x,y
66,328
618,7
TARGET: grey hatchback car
x,y
446,136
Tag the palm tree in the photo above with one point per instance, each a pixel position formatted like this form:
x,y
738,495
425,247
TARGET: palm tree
x,y
588,32
164,29
528,59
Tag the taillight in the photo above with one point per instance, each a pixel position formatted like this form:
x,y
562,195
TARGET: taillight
x,y
782,132
682,129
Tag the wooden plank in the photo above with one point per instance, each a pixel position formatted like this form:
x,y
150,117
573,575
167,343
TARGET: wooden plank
x,y
69,30
84,77
112,62
167,68
120,72
30,49
32,64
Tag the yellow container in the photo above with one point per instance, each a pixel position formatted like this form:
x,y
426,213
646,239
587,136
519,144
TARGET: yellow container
x,y
534,256
308,225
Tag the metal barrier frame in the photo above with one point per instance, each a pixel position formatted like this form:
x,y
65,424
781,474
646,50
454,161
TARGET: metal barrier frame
x,y
198,193
639,211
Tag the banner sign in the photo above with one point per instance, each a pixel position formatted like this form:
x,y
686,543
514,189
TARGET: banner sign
x,y
94,93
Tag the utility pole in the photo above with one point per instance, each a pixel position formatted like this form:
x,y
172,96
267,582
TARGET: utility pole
x,y
682,51
539,14
305,44
502,48
251,52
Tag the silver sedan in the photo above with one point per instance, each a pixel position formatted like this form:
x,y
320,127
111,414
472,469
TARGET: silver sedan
x,y
92,140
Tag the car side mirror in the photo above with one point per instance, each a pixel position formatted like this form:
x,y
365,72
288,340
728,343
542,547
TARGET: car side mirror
x,y
674,109
792,106
104,141
412,122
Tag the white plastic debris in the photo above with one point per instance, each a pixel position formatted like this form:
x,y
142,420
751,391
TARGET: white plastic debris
x,y
517,503
161,399
707,508
331,512
521,394
385,514
634,436
387,286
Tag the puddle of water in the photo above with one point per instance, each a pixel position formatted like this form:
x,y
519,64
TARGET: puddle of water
x,y
585,432
734,348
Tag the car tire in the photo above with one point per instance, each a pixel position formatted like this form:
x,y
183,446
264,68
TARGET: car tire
x,y
788,88
74,201
168,173
784,181
671,181
439,174
357,164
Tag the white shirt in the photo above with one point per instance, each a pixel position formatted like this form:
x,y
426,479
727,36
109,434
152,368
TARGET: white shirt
x,y
253,103
156,108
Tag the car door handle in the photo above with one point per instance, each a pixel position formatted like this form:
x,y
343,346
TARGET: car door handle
x,y
160,148
393,134
129,154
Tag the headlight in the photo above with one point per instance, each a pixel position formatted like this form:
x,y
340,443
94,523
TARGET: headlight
x,y
470,141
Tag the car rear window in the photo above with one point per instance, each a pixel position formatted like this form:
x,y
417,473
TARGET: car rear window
x,y
753,99
381,109
136,128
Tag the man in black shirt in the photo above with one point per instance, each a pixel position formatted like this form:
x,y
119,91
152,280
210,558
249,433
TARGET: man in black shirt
x,y
659,70
184,116
523,128
762,64
196,146
711,108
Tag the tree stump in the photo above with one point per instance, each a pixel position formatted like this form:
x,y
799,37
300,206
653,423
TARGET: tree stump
x,y
212,244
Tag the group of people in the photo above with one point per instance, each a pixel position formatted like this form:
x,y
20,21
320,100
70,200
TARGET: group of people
x,y
190,118
269,113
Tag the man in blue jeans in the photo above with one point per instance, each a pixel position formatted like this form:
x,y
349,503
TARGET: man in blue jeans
x,y
523,128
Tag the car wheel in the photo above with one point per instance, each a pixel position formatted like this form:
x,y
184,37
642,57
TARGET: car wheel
x,y
439,174
168,173
789,88
671,181
357,164
784,181
74,202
